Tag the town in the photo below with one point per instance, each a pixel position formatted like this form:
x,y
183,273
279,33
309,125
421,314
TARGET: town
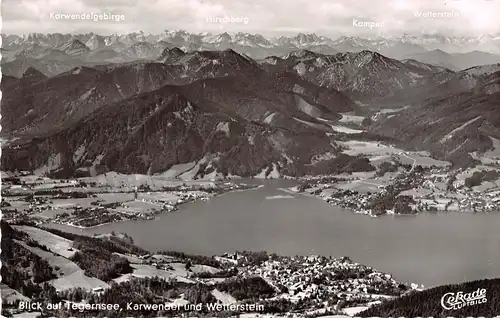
x,y
109,269
327,284
397,188
86,203
318,284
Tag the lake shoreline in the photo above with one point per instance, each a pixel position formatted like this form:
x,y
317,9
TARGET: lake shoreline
x,y
176,208
427,249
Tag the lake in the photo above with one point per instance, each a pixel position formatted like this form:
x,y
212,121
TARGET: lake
x,y
430,248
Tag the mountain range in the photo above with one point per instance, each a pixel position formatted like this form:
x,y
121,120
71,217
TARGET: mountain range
x,y
56,53
227,112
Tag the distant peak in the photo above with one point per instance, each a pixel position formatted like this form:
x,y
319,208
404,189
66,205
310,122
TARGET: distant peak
x,y
172,53
368,52
177,51
76,42
307,34
372,54
301,54
33,73
439,51
230,52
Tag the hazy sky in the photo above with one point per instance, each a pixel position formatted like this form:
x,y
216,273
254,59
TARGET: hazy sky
x,y
269,17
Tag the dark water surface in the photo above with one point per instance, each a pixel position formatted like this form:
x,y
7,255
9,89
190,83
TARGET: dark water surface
x,y
430,249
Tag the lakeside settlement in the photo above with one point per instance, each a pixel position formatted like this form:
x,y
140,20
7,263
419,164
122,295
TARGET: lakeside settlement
x,y
88,202
70,270
401,188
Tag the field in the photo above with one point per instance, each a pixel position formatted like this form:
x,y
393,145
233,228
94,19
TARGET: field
x,y
485,186
177,170
347,118
141,271
54,243
106,198
175,270
346,130
378,153
352,311
160,196
10,295
120,181
181,271
131,259
421,159
17,203
115,197
48,214
361,186
491,156
224,298
69,274
136,207
368,148
70,203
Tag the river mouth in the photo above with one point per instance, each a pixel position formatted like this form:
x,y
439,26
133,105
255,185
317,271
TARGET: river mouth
x,y
429,248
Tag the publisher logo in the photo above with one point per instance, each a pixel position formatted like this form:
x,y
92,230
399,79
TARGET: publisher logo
x,y
454,301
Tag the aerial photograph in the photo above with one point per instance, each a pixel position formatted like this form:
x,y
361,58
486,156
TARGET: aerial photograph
x,y
250,158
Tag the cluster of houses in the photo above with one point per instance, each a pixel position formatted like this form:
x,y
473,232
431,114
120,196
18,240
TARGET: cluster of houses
x,y
356,202
431,193
456,197
314,278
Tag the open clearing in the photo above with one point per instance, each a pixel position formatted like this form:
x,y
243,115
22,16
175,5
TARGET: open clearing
x,y
352,311
160,196
177,272
142,271
135,207
378,153
130,182
346,130
177,170
69,274
65,265
368,148
224,298
56,244
52,213
69,203
115,197
348,118
179,269
360,187
132,259
78,279
10,295
491,156
421,160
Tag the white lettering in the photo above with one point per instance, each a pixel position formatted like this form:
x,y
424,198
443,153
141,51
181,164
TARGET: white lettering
x,y
89,16
454,301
